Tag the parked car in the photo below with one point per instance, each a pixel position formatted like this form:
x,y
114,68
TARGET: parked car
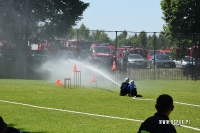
x,y
150,53
38,56
64,55
190,68
83,55
181,63
136,61
161,61
8,55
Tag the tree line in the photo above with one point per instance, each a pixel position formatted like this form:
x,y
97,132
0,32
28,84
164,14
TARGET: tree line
x,y
122,38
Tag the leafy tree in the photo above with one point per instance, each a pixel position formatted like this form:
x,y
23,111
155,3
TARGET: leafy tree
x,y
72,34
142,37
181,16
83,32
121,38
132,40
149,43
100,37
153,42
21,20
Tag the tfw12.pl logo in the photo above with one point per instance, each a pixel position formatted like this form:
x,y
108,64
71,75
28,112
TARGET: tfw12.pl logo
x,y
175,122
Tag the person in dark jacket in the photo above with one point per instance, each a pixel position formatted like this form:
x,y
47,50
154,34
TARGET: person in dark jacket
x,y
3,125
124,87
160,123
5,129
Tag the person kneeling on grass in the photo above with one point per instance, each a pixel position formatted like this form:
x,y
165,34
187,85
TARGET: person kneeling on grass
x,y
124,87
132,89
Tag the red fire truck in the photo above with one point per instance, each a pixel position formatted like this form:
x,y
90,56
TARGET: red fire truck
x,y
194,52
102,54
73,45
132,50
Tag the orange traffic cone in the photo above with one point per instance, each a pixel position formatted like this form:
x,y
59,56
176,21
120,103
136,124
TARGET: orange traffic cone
x,y
58,82
93,79
75,69
114,67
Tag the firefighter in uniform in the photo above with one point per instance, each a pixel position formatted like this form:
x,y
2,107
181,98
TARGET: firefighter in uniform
x,y
132,89
124,87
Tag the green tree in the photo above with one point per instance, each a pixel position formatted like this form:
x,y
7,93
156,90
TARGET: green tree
x,y
121,39
21,20
100,36
133,40
149,44
153,42
83,32
164,42
181,16
72,34
142,38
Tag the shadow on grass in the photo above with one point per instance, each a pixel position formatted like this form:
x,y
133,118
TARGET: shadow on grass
x,y
33,132
139,95
112,91
11,129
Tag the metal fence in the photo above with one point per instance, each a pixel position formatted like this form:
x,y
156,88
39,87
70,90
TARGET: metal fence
x,y
162,74
146,40
8,71
184,44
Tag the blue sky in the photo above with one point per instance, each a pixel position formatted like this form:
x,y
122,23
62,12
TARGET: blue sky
x,y
119,15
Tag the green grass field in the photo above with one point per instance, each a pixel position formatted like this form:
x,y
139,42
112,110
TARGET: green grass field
x,y
43,107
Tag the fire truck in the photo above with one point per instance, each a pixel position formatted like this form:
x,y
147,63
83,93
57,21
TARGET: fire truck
x,y
150,53
132,50
75,46
194,52
102,54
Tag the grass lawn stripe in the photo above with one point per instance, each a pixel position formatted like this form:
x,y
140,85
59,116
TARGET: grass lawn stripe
x,y
70,111
174,102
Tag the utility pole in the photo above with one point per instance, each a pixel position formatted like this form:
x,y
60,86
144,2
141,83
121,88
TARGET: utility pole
x,y
116,39
154,47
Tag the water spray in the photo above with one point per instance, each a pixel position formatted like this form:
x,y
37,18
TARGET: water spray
x,y
91,68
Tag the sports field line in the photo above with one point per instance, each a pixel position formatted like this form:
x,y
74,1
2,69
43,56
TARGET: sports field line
x,y
70,111
76,112
188,104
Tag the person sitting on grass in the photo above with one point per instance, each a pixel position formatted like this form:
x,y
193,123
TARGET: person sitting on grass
x,y
124,87
132,89
155,124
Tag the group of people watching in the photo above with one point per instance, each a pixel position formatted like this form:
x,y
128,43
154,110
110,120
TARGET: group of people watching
x,y
127,88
